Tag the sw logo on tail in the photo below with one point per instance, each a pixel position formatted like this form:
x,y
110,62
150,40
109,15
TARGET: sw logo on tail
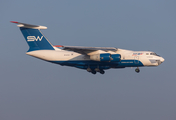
x,y
87,58
33,38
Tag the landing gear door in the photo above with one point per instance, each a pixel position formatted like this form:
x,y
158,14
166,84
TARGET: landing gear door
x,y
136,59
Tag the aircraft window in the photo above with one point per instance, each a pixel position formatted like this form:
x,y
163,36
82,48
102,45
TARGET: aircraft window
x,y
154,54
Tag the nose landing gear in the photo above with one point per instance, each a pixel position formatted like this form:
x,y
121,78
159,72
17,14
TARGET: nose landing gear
x,y
137,70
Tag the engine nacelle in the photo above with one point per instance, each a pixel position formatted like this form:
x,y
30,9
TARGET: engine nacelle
x,y
106,57
115,57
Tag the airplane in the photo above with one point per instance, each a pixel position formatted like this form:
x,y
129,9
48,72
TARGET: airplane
x,y
92,59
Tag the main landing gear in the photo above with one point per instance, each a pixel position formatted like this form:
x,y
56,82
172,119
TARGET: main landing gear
x,y
137,70
95,70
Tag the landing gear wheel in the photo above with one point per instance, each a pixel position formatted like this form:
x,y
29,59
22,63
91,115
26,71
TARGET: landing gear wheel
x,y
93,72
102,71
137,70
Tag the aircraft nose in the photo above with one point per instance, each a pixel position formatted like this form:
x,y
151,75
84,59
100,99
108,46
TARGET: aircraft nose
x,y
159,61
162,60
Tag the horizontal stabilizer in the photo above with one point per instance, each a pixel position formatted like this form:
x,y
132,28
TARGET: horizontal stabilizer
x,y
24,25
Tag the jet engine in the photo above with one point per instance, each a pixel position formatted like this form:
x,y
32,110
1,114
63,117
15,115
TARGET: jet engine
x,y
106,57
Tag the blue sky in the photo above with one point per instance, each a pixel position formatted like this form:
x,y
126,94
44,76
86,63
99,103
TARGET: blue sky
x,y
34,89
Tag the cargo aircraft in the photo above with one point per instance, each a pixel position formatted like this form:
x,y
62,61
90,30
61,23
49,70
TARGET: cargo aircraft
x,y
92,59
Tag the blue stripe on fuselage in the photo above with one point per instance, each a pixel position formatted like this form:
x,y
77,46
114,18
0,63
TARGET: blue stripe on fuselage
x,y
104,65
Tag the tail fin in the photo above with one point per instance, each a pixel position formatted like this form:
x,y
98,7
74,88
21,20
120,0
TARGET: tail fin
x,y
34,37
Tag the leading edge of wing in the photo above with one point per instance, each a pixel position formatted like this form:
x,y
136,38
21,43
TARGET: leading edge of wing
x,y
85,50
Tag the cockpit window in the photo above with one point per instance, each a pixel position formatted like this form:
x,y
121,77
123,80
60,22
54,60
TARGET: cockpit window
x,y
154,54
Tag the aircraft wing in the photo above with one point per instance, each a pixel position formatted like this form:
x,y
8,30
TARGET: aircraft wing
x,y
86,50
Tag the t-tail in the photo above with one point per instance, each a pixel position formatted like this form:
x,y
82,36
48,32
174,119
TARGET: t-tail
x,y
34,37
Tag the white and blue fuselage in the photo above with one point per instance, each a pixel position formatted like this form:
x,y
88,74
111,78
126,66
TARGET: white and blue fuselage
x,y
128,59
